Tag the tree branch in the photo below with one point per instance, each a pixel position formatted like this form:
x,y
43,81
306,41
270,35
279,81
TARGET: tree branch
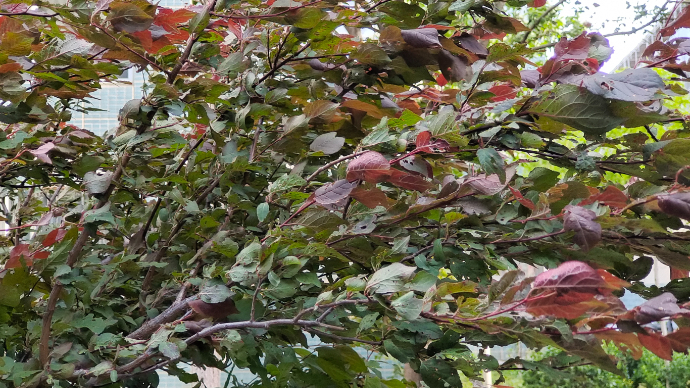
x,y
539,20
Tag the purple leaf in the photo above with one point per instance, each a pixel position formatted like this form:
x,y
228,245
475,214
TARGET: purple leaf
x,y
333,193
675,204
581,221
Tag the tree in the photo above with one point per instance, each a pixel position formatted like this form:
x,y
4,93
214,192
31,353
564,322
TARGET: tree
x,y
648,371
282,179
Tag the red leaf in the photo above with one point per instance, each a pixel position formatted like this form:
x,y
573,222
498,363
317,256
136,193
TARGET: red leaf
x,y
235,28
502,92
536,3
571,276
54,236
441,80
553,306
577,48
423,138
661,346
334,192
611,281
409,181
438,145
169,19
611,196
370,167
680,339
41,255
19,251
370,198
682,21
520,198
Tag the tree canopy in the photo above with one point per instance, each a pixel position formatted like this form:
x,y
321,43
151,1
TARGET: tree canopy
x,y
378,175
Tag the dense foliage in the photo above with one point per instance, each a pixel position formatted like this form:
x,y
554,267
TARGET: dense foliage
x,y
351,171
648,371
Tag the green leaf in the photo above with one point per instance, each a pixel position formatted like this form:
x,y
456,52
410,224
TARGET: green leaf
x,y
408,306
492,163
577,108
262,211
389,279
370,54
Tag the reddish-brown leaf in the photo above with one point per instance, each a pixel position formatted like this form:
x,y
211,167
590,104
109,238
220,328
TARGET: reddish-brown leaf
x,y
502,92
169,19
334,192
520,198
553,306
53,237
370,198
577,48
370,167
659,345
680,339
571,276
235,28
19,251
611,196
630,341
423,138
612,282
680,22
536,3
408,181
441,80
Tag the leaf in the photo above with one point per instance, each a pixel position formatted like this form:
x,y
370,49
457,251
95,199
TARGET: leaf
x,y
389,279
129,17
658,308
571,276
577,108
370,198
409,181
408,306
611,196
320,110
502,92
285,182
629,85
454,68
262,211
97,184
418,164
677,204
371,54
421,37
492,163
370,166
657,344
438,373
327,143
333,193
371,109
582,221
170,350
